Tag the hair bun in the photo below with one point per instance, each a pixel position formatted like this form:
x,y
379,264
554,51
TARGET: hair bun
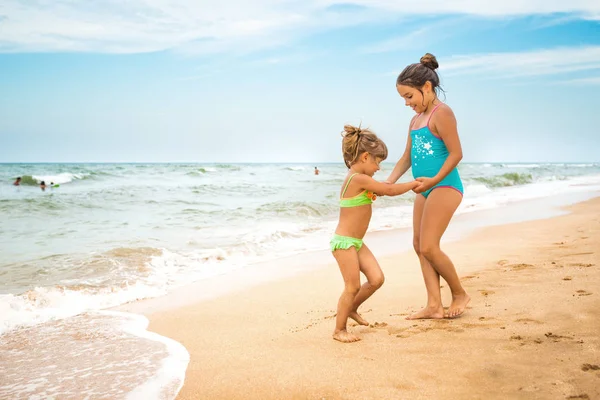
x,y
430,61
351,130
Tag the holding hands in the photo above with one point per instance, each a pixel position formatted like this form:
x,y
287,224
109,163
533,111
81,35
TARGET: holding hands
x,y
424,184
419,184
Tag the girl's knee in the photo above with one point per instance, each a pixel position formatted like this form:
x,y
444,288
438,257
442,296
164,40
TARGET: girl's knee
x,y
429,250
417,245
377,282
352,288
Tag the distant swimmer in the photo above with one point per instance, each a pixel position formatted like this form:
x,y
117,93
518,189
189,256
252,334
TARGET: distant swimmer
x,y
53,185
316,171
17,182
43,186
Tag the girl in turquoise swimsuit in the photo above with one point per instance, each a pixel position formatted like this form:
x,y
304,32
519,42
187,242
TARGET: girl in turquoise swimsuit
x,y
363,151
433,150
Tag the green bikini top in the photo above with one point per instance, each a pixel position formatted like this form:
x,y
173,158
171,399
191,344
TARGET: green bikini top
x,y
360,199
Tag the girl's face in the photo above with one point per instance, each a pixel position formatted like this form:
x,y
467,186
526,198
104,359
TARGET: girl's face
x,y
414,99
369,164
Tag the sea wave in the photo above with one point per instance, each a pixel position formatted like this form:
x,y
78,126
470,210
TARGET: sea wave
x,y
59,179
506,179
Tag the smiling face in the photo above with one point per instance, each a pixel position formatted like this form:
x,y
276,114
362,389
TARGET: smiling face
x,y
418,100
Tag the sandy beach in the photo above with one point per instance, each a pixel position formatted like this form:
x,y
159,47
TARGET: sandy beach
x,y
530,332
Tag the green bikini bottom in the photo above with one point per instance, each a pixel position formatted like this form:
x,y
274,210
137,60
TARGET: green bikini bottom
x,y
339,242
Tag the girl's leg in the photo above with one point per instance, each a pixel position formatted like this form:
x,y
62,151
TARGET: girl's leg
x,y
434,308
439,209
350,269
371,269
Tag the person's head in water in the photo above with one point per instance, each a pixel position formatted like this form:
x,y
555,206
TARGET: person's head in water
x,y
43,185
316,171
362,147
17,181
419,84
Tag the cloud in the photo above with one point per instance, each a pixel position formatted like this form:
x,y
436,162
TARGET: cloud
x,y
206,26
590,81
554,61
410,40
484,8
418,37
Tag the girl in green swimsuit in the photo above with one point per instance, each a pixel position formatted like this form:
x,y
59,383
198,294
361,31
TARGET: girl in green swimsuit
x,y
363,151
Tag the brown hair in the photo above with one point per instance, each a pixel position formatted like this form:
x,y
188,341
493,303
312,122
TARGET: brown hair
x,y
357,141
416,75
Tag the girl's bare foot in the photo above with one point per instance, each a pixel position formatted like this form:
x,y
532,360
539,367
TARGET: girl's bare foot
x,y
428,313
360,320
345,337
458,306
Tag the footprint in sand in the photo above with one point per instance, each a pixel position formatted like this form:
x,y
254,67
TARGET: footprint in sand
x,y
314,321
529,321
583,293
378,325
556,338
578,254
431,325
579,397
519,339
519,267
581,265
486,293
590,367
567,278
296,329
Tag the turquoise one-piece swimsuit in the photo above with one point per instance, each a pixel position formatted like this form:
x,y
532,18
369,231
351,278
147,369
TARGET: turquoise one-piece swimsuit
x,y
427,154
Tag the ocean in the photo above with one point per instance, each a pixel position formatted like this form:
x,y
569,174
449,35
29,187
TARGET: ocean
x,y
110,234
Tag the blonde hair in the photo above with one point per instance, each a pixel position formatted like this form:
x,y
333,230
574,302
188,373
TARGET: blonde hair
x,y
357,141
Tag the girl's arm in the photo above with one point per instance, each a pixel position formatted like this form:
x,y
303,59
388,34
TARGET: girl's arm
x,y
383,188
404,162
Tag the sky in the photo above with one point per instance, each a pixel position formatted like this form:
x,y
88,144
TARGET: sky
x,y
275,81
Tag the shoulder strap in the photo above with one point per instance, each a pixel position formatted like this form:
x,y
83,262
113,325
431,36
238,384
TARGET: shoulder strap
x,y
347,183
432,111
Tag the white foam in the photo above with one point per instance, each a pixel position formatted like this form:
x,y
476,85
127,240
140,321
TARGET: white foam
x,y
94,355
476,190
507,195
168,270
65,177
43,304
172,370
